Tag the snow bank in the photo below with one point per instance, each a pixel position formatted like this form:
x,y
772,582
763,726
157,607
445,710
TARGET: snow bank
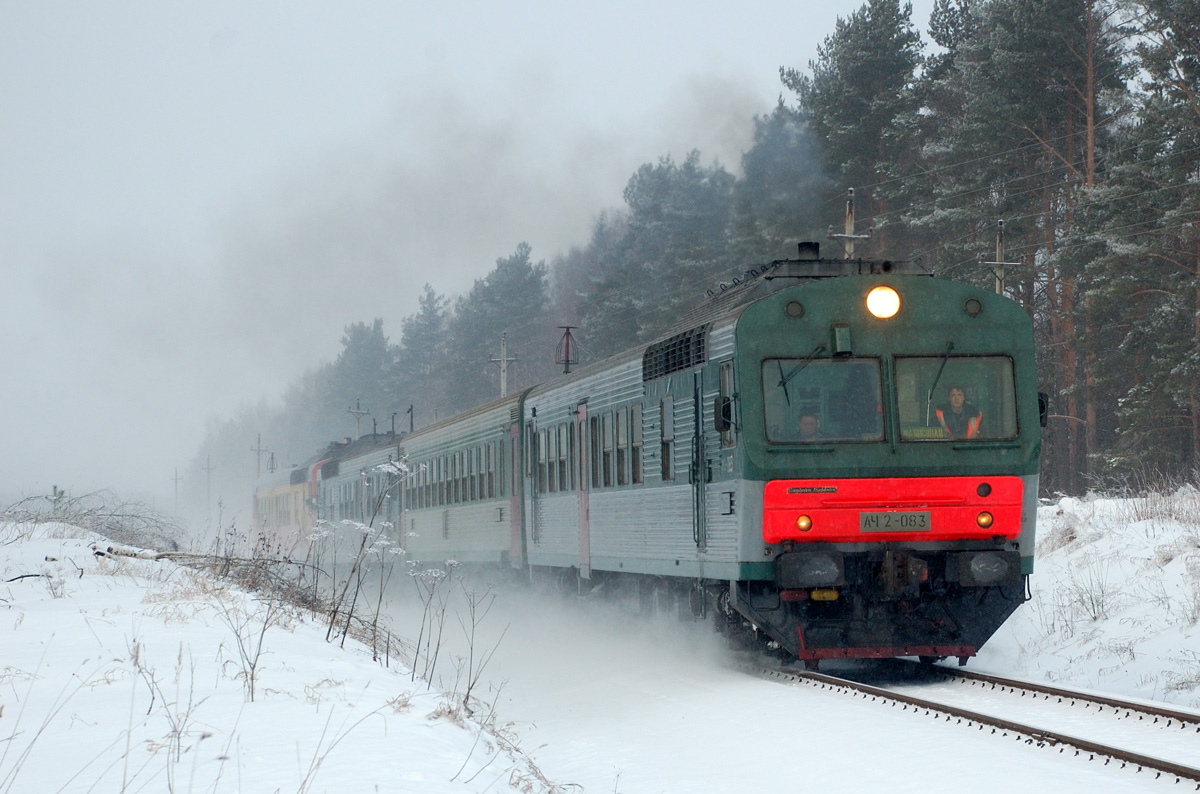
x,y
127,674
1116,600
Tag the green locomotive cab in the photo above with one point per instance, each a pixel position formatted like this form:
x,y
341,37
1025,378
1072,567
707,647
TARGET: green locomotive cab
x,y
897,452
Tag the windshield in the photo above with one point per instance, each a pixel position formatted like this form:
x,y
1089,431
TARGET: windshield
x,y
812,400
943,398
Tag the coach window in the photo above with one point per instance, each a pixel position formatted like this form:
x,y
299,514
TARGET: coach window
x,y
430,484
552,459
607,437
808,400
464,476
594,446
468,475
434,480
543,461
560,463
667,412
480,474
485,471
725,404
463,480
501,484
622,446
564,457
540,457
472,485
574,461
635,448
959,398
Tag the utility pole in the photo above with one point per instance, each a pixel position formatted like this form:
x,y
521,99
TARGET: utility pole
x,y
997,267
849,236
565,354
258,450
56,499
504,361
359,412
176,478
410,417
208,469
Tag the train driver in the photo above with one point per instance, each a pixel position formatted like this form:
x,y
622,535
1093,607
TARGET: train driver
x,y
959,418
810,427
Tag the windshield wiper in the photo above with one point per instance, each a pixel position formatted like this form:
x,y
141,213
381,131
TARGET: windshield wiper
x,y
783,381
933,386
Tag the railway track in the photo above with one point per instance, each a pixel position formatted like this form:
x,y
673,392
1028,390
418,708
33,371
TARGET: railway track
x,y
1144,738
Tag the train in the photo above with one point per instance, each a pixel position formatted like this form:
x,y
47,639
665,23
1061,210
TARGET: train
x,y
838,455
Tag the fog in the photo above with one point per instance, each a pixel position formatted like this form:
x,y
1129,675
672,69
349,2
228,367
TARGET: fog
x,y
195,200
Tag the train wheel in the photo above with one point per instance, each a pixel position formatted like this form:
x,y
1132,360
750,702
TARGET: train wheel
x,y
723,615
929,660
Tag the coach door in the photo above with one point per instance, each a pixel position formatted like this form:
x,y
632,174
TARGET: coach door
x,y
698,470
584,477
518,553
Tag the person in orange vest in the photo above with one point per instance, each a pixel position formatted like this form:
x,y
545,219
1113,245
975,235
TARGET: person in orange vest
x,y
959,418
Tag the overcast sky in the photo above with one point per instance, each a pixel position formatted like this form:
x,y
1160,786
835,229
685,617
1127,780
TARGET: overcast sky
x,y
196,198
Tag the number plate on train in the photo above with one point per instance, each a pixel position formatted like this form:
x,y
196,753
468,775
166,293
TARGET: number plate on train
x,y
895,521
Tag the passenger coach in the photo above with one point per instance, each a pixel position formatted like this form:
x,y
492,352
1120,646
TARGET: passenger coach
x,y
841,454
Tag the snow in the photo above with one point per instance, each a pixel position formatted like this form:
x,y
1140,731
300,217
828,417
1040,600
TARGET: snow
x,y
1116,600
124,674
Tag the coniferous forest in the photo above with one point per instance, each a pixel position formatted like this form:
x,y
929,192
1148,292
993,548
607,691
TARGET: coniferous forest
x,y
1076,123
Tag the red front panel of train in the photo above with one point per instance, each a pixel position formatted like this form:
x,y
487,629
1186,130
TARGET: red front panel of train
x,y
892,509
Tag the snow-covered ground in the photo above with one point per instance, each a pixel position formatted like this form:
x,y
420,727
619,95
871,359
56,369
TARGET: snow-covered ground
x,y
1116,600
124,674
120,674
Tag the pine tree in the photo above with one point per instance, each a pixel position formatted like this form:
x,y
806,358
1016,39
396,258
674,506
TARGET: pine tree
x,y
857,100
1149,283
780,199
1019,136
360,377
511,301
420,373
678,231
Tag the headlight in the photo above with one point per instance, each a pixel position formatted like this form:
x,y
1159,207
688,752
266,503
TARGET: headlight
x,y
809,569
988,568
883,302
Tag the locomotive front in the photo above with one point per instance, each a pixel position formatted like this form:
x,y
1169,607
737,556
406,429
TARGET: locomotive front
x,y
893,424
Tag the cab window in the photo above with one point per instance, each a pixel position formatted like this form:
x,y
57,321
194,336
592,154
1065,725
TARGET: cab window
x,y
956,398
821,400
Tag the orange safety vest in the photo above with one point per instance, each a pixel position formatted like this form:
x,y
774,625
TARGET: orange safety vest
x,y
972,426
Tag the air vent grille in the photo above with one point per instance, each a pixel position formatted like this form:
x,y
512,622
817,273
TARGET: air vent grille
x,y
678,353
